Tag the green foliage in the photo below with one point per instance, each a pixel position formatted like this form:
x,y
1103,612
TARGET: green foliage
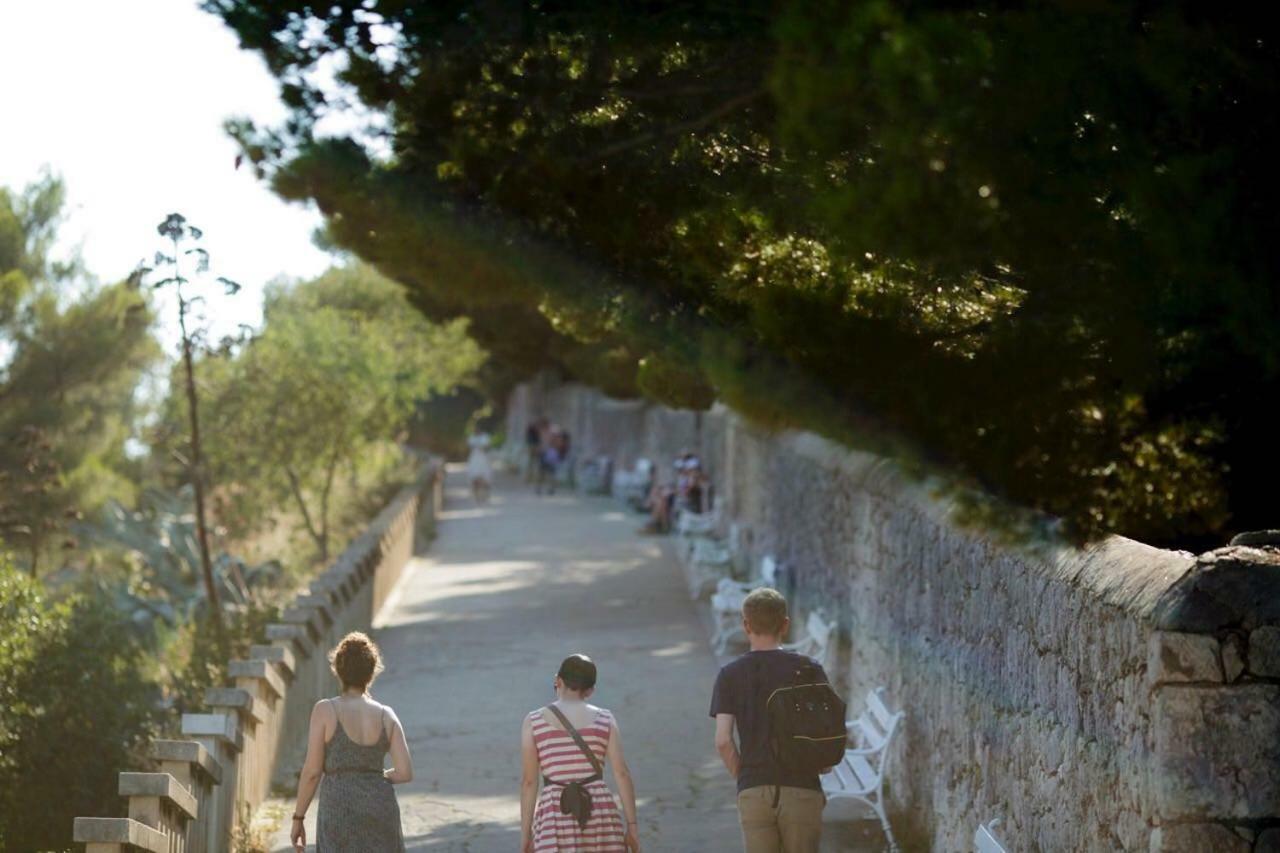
x,y
73,687
155,555
338,368
67,385
1026,244
196,655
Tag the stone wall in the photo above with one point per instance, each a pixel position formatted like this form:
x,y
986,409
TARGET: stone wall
x,y
1117,697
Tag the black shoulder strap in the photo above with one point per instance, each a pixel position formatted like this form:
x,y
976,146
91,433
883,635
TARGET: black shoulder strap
x,y
577,738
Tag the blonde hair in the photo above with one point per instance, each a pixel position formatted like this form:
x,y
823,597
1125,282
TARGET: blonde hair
x,y
765,611
356,661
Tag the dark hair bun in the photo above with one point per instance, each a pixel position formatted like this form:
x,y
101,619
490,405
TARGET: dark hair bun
x,y
356,660
578,672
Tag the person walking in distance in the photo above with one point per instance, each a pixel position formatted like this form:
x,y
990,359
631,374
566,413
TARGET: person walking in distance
x,y
479,468
349,740
780,798
566,744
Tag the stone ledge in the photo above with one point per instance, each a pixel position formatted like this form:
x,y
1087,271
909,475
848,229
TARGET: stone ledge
x,y
319,603
223,727
160,785
278,655
305,618
262,670
244,702
118,830
1232,587
189,751
290,633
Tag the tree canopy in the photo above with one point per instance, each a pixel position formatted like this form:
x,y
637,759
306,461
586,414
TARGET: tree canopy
x,y
72,354
338,367
1032,243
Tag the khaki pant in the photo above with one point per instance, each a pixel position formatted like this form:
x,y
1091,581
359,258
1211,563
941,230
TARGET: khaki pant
x,y
795,826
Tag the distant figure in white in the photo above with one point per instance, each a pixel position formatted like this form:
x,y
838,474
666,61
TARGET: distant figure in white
x,y
479,469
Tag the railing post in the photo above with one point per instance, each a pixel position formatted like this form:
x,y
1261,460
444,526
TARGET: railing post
x,y
255,730
162,803
220,735
193,767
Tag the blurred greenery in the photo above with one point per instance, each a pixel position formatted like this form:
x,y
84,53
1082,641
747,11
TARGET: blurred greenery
x,y
104,623
338,368
1028,244
75,684
72,354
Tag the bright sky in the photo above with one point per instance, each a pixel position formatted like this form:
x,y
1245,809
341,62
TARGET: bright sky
x,y
126,99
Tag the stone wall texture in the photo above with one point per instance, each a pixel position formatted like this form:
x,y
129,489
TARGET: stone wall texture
x,y
1116,697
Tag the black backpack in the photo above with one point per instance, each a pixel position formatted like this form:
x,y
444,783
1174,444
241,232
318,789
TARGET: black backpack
x,y
806,722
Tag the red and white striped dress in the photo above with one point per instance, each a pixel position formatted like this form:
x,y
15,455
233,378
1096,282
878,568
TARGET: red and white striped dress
x,y
561,760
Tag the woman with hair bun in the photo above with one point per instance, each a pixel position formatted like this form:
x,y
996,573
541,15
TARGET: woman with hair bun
x,y
566,744
350,737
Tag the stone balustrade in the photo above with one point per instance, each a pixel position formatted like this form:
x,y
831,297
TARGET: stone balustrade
x,y
252,733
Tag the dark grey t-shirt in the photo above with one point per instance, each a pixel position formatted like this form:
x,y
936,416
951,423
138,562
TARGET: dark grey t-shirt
x,y
742,688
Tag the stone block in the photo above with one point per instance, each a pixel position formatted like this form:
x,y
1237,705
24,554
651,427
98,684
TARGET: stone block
x,y
1232,657
1197,838
224,728
261,670
245,703
278,654
189,751
296,635
119,830
1177,657
1264,651
1217,751
160,785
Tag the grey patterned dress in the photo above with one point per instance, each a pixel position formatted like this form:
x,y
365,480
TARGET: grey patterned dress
x,y
358,810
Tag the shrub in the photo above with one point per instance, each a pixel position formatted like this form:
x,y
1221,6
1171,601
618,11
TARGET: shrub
x,y
75,708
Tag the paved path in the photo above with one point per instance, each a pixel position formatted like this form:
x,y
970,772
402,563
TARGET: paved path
x,y
472,640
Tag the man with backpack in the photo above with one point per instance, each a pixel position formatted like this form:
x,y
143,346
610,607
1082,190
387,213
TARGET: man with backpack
x,y
790,727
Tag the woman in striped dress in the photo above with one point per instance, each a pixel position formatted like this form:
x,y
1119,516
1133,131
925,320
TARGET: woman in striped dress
x,y
575,811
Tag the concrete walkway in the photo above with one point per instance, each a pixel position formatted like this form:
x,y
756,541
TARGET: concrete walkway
x,y
472,640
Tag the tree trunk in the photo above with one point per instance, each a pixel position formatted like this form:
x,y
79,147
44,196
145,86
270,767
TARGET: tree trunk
x,y
317,535
197,473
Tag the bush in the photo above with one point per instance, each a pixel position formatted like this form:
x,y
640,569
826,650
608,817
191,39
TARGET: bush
x,y
76,705
198,660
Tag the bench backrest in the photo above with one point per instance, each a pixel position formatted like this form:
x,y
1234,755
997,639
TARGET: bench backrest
x,y
769,571
874,730
862,769
985,841
643,466
816,642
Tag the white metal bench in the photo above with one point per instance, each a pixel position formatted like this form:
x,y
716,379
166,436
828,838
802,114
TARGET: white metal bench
x,y
593,474
860,775
697,524
984,838
632,487
816,642
708,562
726,604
